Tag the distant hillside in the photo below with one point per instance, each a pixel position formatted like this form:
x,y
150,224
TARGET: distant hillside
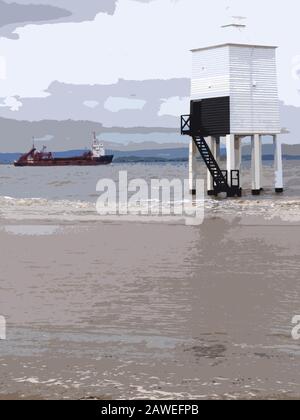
x,y
122,156
287,150
163,155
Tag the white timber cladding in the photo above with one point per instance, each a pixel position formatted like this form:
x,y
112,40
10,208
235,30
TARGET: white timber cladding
x,y
248,75
210,73
253,90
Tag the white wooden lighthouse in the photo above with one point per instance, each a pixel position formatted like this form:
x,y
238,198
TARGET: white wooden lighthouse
x,y
234,95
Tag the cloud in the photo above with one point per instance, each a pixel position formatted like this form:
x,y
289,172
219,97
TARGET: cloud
x,y
126,103
44,139
174,106
139,40
2,68
78,10
125,45
91,104
13,15
12,103
17,13
117,104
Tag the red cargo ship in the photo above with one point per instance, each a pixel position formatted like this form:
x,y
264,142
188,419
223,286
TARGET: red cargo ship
x,y
93,157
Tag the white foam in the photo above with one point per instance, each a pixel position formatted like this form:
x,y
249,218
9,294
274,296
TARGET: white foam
x,y
31,230
40,209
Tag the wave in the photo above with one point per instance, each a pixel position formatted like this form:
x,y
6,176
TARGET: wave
x,y
65,210
42,209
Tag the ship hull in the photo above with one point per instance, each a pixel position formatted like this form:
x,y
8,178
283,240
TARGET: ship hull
x,y
74,161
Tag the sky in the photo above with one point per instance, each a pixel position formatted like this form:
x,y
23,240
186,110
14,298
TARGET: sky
x,y
127,62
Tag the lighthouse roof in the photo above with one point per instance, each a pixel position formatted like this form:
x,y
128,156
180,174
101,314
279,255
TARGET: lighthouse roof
x,y
232,44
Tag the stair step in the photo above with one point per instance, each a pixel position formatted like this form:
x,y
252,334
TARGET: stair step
x,y
219,178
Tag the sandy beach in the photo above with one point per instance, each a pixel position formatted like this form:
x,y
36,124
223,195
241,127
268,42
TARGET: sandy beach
x,y
109,311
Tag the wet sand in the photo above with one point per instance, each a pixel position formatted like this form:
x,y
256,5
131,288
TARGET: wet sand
x,y
137,310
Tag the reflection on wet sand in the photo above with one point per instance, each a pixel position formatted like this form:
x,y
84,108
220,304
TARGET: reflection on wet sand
x,y
116,310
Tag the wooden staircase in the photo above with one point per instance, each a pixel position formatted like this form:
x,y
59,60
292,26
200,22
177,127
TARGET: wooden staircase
x,y
220,177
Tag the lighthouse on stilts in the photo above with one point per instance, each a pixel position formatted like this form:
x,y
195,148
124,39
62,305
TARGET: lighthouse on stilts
x,y
234,95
